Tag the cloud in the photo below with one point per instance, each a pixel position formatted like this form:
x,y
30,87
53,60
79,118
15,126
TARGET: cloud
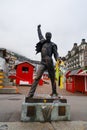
x,y
66,19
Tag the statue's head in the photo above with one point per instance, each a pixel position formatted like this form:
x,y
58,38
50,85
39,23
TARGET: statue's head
x,y
48,36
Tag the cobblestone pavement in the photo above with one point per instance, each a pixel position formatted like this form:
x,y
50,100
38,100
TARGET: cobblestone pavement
x,y
46,89
60,125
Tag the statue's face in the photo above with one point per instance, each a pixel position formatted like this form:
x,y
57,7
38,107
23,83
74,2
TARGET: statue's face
x,y
48,36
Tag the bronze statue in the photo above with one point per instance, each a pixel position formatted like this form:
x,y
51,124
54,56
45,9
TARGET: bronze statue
x,y
46,48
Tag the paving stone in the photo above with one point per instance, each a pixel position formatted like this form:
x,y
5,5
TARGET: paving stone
x,y
46,89
59,125
85,126
27,126
72,125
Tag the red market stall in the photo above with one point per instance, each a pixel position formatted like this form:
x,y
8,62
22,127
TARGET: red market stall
x,y
24,74
83,77
74,82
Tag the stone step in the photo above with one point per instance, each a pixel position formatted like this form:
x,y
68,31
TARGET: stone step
x,y
9,90
4,80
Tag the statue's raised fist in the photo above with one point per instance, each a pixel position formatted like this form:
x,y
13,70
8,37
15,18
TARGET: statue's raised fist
x,y
39,26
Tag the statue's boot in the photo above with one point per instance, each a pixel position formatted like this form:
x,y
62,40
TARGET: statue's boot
x,y
30,95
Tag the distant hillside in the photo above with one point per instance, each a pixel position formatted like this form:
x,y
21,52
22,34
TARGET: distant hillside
x,y
22,58
12,59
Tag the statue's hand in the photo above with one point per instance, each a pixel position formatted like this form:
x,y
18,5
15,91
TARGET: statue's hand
x,y
59,61
39,26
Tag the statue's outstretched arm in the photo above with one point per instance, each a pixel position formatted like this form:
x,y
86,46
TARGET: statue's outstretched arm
x,y
39,32
56,55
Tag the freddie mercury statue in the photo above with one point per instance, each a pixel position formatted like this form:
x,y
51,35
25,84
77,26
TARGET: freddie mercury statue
x,y
47,49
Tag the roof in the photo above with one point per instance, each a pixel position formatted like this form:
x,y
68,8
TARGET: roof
x,y
83,73
25,62
78,72
67,72
75,72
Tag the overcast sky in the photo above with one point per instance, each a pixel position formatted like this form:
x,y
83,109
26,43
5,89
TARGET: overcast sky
x,y
65,19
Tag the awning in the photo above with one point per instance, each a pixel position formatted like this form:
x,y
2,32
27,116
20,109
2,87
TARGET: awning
x,y
83,73
75,72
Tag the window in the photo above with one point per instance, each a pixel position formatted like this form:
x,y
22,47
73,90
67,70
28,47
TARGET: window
x,y
25,69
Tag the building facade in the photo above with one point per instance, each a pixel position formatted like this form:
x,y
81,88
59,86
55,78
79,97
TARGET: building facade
x,y
77,57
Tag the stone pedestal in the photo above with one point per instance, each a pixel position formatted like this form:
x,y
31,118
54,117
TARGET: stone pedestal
x,y
45,109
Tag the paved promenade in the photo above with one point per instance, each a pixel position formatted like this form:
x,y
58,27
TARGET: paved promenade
x,y
46,89
10,109
60,125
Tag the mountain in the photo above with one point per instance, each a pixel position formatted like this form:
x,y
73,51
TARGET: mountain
x,y
21,57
